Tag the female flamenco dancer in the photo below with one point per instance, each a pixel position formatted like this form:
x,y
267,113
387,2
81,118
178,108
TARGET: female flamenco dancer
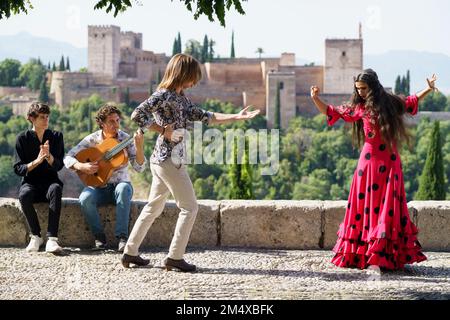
x,y
377,229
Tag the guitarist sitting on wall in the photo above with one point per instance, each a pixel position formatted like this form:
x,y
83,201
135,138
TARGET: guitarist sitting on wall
x,y
117,189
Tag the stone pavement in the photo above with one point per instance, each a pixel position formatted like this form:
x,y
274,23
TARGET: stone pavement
x,y
228,274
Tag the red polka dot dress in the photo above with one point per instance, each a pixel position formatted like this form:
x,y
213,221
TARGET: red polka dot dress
x,y
377,229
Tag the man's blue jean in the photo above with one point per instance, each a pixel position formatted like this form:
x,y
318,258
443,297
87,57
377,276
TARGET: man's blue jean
x,y
119,194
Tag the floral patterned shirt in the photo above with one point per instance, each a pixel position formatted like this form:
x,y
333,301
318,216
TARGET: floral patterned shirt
x,y
121,173
166,107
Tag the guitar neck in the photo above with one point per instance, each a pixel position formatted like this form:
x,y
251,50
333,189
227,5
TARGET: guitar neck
x,y
122,145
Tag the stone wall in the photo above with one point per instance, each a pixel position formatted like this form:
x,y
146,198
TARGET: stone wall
x,y
277,224
15,91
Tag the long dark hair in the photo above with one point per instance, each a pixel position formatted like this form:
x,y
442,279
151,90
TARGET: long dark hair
x,y
387,108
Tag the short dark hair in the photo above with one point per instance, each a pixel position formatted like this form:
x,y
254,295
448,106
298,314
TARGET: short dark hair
x,y
36,108
105,111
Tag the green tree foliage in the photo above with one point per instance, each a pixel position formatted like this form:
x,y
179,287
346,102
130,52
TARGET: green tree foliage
x,y
5,113
9,72
7,178
212,43
432,183
235,175
209,8
435,101
402,84
277,117
67,64
259,51
43,91
174,47
31,74
62,66
180,46
177,47
232,54
205,47
194,48
316,161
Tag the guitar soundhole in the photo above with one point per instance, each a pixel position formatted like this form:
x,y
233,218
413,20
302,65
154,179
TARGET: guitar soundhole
x,y
96,174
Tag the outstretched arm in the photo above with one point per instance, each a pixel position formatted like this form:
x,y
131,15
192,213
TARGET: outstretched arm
x,y
431,87
321,106
221,118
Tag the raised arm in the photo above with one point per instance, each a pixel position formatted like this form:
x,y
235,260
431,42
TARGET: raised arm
x,y
244,114
431,87
320,105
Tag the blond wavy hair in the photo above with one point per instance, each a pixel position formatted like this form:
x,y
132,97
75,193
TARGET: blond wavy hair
x,y
180,70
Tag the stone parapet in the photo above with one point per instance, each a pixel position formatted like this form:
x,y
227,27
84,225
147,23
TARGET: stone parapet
x,y
279,224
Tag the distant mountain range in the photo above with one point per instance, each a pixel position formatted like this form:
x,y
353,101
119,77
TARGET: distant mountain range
x,y
389,65
24,46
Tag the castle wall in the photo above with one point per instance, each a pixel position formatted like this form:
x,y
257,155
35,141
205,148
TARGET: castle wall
x,y
234,74
343,61
68,86
130,39
306,77
16,91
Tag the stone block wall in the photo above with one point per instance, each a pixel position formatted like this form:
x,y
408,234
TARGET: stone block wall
x,y
305,224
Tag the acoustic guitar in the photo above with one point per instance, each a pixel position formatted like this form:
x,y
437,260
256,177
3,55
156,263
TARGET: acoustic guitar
x,y
109,154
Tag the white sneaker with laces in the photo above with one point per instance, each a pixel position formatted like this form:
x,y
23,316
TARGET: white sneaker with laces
x,y
52,245
122,244
35,243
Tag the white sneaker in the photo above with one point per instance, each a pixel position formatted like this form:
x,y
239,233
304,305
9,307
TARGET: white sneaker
x,y
52,245
122,244
35,243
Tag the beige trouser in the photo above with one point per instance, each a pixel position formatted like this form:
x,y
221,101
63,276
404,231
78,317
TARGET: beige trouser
x,y
167,178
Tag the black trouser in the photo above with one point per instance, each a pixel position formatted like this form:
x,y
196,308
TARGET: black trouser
x,y
29,194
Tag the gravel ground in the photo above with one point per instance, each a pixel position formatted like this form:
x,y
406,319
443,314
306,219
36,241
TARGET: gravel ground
x,y
232,273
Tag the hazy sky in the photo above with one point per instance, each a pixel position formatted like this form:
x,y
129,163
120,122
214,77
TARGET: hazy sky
x,y
275,25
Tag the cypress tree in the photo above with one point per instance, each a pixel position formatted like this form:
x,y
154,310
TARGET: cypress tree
x,y
62,67
408,83
403,85
174,47
232,55
277,117
211,50
48,66
43,92
54,66
235,175
67,64
398,85
179,47
205,49
246,175
431,182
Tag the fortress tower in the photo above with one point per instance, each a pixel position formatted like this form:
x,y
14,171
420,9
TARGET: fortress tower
x,y
286,81
343,61
104,51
